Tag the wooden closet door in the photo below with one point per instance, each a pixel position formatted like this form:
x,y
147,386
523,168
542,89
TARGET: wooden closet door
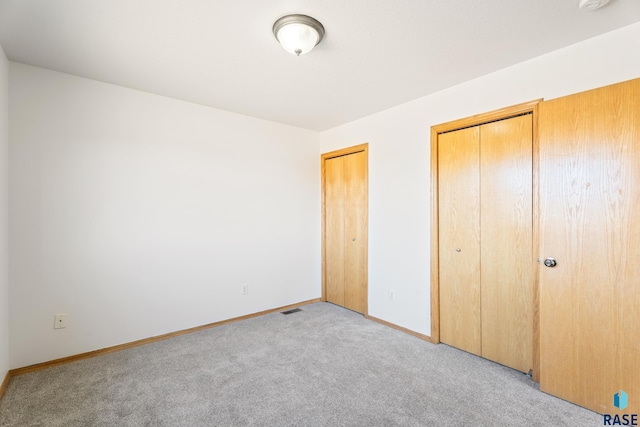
x,y
346,245
355,225
590,210
334,230
459,239
507,261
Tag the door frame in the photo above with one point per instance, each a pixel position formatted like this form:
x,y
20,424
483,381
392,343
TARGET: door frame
x,y
323,158
479,119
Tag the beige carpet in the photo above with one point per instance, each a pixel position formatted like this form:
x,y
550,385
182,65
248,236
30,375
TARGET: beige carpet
x,y
323,366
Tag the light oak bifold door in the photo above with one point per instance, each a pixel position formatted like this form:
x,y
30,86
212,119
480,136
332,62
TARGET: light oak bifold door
x,y
345,227
459,242
590,223
506,253
485,240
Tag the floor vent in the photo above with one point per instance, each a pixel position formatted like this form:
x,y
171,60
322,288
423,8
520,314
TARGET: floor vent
x,y
295,310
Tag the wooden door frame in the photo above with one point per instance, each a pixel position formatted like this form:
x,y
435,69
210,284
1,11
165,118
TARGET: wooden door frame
x,y
323,158
501,114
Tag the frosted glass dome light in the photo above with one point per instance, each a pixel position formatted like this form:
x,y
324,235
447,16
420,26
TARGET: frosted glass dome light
x,y
298,34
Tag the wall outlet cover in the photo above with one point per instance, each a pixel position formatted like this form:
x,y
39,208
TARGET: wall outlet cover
x,y
60,321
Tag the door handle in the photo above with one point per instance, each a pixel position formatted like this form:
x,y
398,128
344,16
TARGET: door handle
x,y
550,262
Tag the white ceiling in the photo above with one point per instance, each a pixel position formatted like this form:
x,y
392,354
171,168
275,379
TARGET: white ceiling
x,y
376,53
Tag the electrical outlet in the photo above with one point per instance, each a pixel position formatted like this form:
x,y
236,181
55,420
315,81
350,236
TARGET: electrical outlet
x,y
60,321
245,289
391,295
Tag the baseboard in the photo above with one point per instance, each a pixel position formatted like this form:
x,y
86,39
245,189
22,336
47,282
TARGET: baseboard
x,y
4,384
94,353
400,328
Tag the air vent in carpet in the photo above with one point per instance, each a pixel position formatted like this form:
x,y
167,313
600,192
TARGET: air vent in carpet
x,y
295,310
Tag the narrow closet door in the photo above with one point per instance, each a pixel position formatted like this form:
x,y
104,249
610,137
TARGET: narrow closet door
x,y
590,210
459,239
345,227
334,232
507,259
355,229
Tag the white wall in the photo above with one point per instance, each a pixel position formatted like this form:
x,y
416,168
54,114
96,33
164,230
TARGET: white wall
x,y
4,193
139,215
399,160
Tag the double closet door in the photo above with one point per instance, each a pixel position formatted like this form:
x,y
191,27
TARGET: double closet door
x,y
485,240
345,228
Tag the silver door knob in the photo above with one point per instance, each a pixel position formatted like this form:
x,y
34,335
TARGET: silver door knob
x,y
353,240
550,262
458,250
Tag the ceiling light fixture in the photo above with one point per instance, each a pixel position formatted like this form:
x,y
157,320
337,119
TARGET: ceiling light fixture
x,y
298,34
592,4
